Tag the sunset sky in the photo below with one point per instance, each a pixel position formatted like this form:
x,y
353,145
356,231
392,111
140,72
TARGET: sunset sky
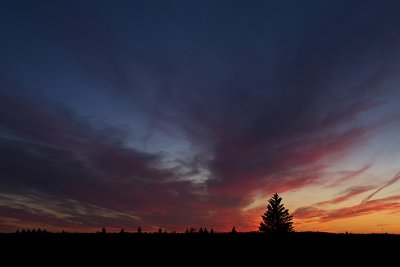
x,y
179,114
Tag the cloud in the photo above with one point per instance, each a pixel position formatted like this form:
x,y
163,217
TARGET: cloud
x,y
387,204
339,177
378,205
318,209
348,194
48,152
51,211
308,212
389,183
276,134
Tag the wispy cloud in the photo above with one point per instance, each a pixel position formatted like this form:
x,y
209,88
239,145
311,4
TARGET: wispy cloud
x,y
343,176
348,194
388,204
318,209
384,204
389,183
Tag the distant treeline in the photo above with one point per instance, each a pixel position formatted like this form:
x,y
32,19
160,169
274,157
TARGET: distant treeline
x,y
204,231
191,230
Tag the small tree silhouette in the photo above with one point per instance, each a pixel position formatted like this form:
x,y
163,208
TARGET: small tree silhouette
x,y
276,219
103,231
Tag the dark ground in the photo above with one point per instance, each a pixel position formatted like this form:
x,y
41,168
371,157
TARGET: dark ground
x,y
318,248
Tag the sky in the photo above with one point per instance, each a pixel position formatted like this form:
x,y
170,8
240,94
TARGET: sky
x,y
177,114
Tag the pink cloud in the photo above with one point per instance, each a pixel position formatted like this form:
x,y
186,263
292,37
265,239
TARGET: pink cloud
x,y
388,204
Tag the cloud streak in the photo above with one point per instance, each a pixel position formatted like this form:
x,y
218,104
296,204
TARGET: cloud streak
x,y
389,183
385,204
388,204
319,209
349,193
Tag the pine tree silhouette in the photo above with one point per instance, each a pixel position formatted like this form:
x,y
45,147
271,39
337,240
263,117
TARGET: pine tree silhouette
x,y
276,219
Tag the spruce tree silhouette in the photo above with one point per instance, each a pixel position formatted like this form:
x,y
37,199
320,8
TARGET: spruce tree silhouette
x,y
276,219
233,231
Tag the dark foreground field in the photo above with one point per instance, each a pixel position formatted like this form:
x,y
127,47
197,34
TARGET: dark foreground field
x,y
202,246
225,249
